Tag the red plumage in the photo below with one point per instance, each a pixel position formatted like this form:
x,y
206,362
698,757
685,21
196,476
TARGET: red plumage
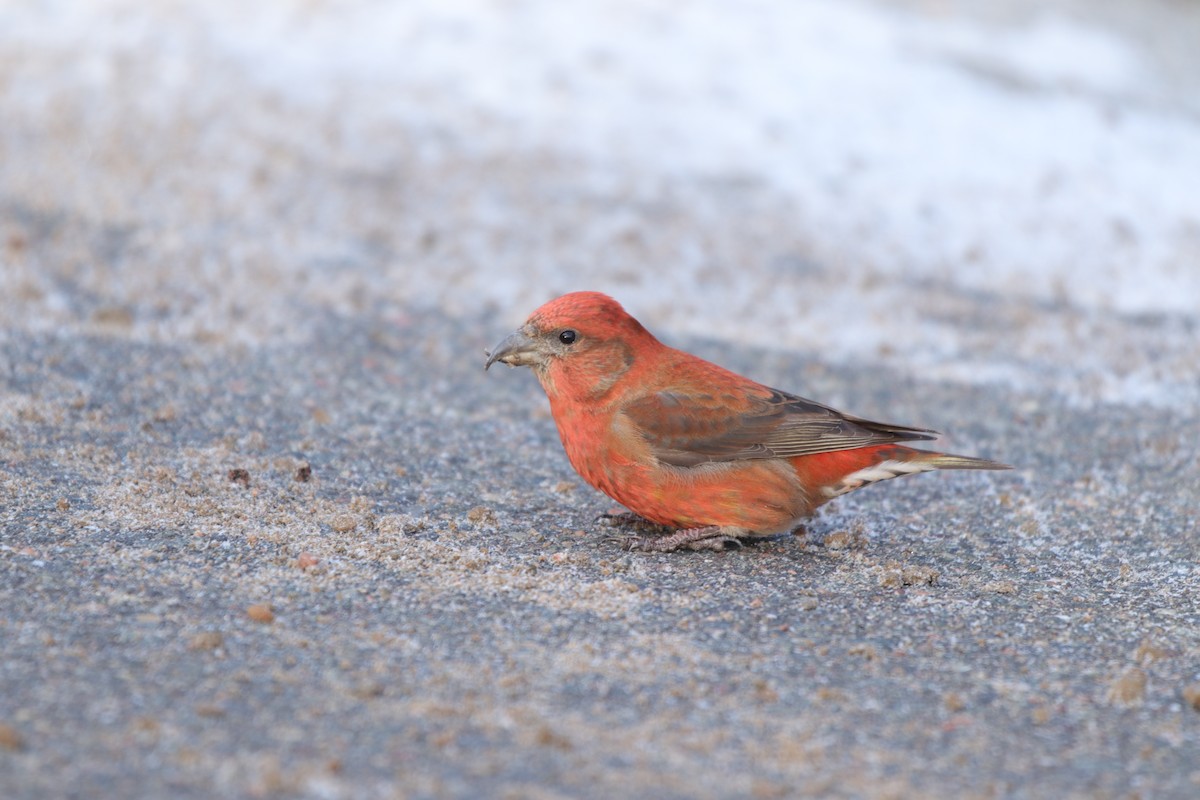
x,y
690,445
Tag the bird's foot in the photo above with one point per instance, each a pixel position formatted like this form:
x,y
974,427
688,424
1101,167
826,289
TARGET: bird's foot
x,y
712,537
619,518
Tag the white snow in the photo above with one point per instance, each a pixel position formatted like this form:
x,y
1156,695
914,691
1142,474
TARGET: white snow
x,y
896,154
910,153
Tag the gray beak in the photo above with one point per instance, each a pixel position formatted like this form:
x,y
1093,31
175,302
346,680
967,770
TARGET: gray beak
x,y
517,350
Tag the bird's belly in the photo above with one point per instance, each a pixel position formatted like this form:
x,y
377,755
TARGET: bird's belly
x,y
758,496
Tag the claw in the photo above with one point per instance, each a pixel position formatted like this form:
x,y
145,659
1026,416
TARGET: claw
x,y
710,538
620,519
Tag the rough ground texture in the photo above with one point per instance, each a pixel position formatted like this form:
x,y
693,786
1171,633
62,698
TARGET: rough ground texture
x,y
267,529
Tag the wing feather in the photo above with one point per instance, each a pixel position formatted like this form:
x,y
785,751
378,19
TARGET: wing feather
x,y
686,430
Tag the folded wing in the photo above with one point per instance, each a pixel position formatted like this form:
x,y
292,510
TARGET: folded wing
x,y
686,430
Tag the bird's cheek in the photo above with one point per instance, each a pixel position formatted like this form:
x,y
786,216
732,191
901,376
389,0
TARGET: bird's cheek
x,y
546,378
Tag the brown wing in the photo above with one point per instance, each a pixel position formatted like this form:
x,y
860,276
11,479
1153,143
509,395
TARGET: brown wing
x,y
691,429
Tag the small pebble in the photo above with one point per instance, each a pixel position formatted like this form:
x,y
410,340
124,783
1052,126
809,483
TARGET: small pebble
x,y
206,640
481,515
344,523
839,540
11,738
1128,688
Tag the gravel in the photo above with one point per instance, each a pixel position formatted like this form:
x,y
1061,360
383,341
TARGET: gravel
x,y
267,529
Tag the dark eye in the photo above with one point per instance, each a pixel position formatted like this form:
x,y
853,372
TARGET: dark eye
x,y
567,337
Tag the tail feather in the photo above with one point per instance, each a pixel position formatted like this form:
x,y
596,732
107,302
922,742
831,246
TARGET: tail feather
x,y
901,460
951,461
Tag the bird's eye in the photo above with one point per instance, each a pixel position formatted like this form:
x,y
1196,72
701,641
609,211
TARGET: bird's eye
x,y
567,337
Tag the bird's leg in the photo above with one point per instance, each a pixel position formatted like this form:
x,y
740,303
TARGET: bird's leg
x,y
618,517
712,537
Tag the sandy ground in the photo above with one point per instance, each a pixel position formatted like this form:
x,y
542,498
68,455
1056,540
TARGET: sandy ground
x,y
267,528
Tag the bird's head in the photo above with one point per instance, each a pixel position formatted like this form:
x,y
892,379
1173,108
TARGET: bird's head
x,y
585,338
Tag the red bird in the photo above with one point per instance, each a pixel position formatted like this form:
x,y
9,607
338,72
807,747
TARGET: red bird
x,y
690,445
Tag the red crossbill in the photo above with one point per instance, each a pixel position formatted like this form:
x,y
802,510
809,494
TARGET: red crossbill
x,y
689,445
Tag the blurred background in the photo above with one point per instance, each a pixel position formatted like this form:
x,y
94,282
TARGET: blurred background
x,y
982,191
267,529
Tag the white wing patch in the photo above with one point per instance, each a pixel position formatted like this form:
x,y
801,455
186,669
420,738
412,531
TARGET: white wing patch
x,y
884,470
